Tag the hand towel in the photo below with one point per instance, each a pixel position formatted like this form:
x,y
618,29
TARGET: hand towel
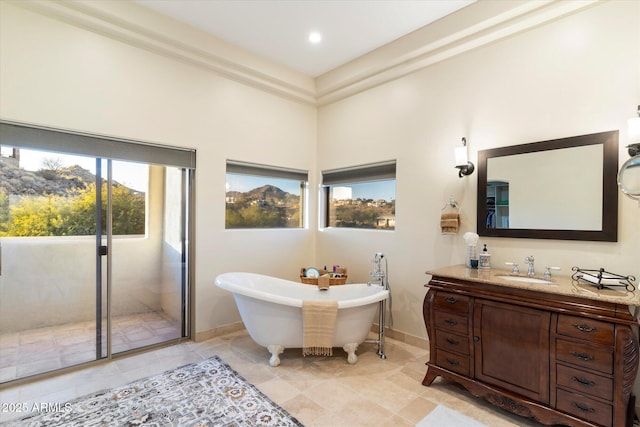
x,y
318,324
449,223
324,282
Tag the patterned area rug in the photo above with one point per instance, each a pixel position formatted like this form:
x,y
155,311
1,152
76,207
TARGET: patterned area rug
x,y
207,393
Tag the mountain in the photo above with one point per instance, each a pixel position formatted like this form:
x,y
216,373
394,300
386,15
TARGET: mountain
x,y
266,192
62,181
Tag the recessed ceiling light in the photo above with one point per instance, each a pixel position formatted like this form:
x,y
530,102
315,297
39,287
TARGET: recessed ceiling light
x,y
315,37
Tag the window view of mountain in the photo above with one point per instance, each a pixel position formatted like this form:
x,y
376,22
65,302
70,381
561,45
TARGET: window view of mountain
x,y
270,207
363,213
61,201
263,207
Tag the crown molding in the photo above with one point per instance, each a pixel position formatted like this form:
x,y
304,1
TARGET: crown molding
x,y
132,24
476,25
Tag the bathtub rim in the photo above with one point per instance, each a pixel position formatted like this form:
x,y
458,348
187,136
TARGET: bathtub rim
x,y
380,295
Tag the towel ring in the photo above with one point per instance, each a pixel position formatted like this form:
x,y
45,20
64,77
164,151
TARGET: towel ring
x,y
451,204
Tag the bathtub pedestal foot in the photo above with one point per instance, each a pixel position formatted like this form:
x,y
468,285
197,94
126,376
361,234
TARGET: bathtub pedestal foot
x,y
275,351
351,352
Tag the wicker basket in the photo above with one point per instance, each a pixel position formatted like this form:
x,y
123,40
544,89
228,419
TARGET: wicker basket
x,y
333,281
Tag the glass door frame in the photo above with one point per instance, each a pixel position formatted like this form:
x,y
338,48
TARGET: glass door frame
x,y
51,139
104,252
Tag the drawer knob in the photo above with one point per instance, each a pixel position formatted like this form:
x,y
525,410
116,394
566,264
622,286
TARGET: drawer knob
x,y
453,362
582,356
583,381
583,408
450,322
452,341
451,300
584,328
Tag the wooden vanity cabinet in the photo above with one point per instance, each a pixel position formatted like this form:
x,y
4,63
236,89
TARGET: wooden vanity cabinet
x,y
452,332
520,368
555,358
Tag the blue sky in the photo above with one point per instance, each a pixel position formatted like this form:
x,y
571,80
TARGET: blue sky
x,y
244,183
375,190
133,175
369,190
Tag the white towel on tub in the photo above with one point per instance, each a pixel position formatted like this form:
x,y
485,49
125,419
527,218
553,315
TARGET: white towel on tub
x,y
318,326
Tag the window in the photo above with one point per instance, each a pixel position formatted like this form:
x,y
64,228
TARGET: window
x,y
54,182
44,193
361,196
259,196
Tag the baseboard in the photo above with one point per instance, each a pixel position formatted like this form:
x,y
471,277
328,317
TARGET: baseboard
x,y
239,326
402,337
220,330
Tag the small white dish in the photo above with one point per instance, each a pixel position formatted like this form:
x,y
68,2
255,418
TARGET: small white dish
x,y
311,273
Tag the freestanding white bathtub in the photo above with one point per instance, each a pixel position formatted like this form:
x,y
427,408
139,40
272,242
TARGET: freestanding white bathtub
x,y
271,309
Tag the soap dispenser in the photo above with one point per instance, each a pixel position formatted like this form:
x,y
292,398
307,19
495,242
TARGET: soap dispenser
x,y
484,258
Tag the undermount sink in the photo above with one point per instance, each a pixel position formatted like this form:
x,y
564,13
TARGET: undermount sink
x,y
525,279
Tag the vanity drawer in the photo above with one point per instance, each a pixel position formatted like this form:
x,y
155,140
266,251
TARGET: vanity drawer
x,y
452,342
596,358
586,329
584,407
585,382
452,302
453,362
451,322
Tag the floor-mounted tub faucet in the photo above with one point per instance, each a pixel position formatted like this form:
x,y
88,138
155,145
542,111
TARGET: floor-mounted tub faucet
x,y
379,274
531,271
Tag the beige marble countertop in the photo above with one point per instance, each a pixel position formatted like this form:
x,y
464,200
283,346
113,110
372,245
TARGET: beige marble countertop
x,y
562,285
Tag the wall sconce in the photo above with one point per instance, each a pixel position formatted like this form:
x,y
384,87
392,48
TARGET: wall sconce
x,y
629,174
634,135
462,161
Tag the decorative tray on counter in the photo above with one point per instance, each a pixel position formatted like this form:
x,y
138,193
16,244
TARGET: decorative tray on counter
x,y
601,278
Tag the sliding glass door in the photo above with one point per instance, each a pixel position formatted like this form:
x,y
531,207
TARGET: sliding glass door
x,y
47,284
148,274
93,251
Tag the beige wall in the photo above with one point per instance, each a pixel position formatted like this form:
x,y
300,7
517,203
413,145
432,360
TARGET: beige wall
x,y
60,75
574,75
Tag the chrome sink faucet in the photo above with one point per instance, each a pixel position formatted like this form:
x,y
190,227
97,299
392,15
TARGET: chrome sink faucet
x,y
531,271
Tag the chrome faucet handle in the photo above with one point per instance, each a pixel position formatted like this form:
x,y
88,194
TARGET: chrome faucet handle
x,y
547,271
531,270
514,269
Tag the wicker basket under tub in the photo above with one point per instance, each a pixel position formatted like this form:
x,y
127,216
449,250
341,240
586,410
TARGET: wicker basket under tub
x,y
333,281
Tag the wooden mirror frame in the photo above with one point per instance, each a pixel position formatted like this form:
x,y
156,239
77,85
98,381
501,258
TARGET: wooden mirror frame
x,y
609,231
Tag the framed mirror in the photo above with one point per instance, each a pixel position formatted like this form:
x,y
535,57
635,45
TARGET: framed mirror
x,y
564,189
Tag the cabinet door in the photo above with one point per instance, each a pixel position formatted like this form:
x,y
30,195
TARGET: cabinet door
x,y
512,348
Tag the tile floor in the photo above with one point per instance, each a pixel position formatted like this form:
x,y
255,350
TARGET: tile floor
x,y
41,350
323,391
